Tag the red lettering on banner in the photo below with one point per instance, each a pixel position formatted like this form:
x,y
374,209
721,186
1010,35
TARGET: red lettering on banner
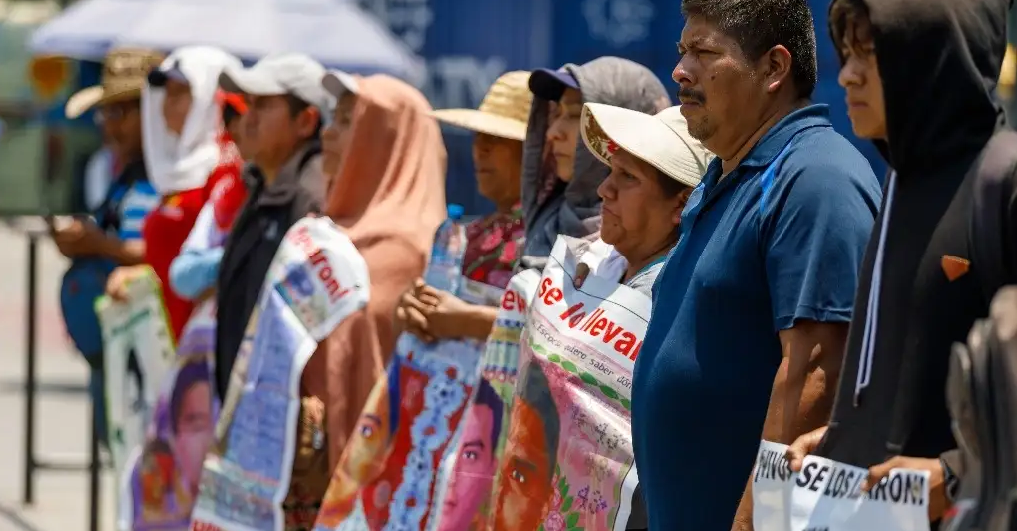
x,y
197,525
596,324
513,301
318,258
549,296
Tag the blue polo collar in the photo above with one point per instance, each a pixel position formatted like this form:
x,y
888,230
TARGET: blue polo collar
x,y
773,142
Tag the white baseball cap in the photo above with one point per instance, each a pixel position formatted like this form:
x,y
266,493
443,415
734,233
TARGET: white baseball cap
x,y
280,74
339,83
661,140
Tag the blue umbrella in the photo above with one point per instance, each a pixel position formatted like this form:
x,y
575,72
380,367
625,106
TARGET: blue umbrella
x,y
336,33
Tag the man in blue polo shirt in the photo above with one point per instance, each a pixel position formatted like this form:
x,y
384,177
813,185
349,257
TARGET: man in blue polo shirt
x,y
751,312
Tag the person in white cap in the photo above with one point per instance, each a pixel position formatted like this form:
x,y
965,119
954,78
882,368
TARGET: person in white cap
x,y
286,107
655,165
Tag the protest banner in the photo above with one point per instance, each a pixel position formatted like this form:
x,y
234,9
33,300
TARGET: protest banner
x,y
827,496
470,471
568,461
161,485
137,351
316,279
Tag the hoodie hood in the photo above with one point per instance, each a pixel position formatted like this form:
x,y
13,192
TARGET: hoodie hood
x,y
180,163
552,207
939,61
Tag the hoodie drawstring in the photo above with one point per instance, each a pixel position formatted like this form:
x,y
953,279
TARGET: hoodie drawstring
x,y
872,309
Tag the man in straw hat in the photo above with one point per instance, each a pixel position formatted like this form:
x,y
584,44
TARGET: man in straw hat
x,y
114,238
500,128
131,197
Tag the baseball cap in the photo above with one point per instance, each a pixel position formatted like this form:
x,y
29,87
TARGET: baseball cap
x,y
159,76
661,140
551,84
339,83
278,75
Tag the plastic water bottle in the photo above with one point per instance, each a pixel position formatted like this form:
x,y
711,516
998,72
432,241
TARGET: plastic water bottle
x,y
446,266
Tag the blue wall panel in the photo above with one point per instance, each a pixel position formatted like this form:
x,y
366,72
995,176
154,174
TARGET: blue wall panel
x,y
468,43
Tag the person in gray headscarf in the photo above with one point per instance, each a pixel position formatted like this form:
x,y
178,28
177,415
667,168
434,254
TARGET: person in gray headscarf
x,y
559,181
560,176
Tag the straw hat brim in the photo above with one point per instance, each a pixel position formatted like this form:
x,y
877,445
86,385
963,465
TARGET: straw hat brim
x,y
482,122
645,136
85,99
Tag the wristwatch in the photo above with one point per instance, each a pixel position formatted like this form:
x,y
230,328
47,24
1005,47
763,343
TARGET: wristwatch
x,y
951,481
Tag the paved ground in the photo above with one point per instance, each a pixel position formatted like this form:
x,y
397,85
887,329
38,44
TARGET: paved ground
x,y
62,411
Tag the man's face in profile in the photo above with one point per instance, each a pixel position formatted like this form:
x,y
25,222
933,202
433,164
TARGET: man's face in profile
x,y
474,470
524,484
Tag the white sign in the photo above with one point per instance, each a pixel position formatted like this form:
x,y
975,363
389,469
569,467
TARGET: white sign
x,y
827,496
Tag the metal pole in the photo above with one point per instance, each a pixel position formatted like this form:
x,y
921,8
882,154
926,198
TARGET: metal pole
x,y
94,468
30,384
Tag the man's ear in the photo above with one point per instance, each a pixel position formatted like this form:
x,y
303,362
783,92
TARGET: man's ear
x,y
307,121
776,67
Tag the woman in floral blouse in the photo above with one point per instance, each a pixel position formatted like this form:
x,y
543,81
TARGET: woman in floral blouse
x,y
492,242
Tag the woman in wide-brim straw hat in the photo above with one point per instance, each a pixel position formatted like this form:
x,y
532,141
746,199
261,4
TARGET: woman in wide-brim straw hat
x,y
499,128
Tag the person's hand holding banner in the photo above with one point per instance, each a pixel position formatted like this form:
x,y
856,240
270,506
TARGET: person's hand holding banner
x,y
795,491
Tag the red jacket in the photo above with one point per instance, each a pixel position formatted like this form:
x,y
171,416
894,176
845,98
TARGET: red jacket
x,y
167,227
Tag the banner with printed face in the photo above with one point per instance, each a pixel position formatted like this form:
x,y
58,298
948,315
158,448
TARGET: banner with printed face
x,y
316,280
568,461
471,468
159,490
387,475
137,351
827,495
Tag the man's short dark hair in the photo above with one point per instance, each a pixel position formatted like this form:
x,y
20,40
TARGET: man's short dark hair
x,y
487,396
534,389
297,106
759,25
842,13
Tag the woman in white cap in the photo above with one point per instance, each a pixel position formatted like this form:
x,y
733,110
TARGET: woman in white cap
x,y
655,165
492,242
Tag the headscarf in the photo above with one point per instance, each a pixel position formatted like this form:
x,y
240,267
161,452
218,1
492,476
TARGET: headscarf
x,y
392,182
552,207
389,196
180,163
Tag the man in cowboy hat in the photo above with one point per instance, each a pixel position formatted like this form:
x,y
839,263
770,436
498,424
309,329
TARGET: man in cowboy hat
x,y
116,235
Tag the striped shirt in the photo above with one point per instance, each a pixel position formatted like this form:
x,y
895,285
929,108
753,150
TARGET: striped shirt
x,y
138,202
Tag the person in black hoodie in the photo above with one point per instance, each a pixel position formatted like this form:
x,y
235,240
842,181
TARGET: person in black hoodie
x,y
920,77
